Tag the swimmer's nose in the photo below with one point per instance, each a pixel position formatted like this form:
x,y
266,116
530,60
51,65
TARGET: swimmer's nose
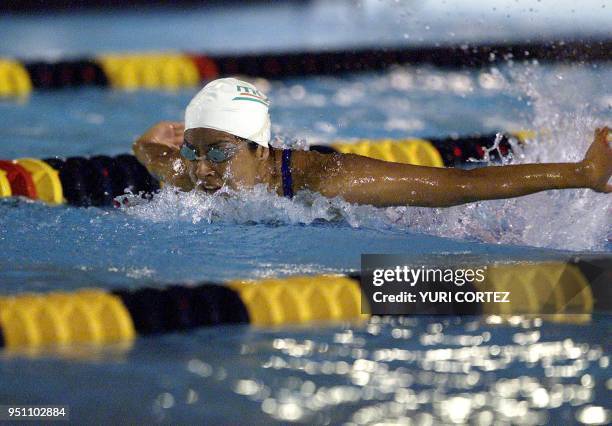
x,y
203,170
209,178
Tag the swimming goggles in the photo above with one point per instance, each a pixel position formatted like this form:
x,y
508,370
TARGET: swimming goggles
x,y
216,153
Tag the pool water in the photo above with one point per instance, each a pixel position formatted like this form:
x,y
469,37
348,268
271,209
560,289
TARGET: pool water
x,y
420,370
427,369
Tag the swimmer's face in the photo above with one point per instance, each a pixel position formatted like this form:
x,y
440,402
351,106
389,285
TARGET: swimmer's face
x,y
209,175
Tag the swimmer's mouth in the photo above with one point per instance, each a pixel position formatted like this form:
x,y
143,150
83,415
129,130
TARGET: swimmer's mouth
x,y
208,188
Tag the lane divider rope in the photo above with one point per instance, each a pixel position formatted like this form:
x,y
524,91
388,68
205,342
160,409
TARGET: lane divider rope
x,y
85,316
150,71
409,151
299,300
175,70
19,178
45,178
14,79
5,185
97,316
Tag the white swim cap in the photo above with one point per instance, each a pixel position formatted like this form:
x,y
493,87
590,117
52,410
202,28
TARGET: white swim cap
x,y
232,106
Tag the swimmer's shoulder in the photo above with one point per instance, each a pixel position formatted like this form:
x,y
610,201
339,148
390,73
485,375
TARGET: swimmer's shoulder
x,y
315,160
312,169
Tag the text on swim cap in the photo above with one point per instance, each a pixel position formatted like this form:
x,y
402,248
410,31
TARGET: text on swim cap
x,y
246,93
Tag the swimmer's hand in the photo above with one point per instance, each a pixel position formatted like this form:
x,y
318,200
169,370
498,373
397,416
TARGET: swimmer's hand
x,y
597,162
158,149
169,133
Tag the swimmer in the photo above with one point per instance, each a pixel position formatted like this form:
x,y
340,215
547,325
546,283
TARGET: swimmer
x,y
224,142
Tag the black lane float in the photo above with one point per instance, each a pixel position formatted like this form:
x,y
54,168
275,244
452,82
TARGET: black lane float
x,y
96,181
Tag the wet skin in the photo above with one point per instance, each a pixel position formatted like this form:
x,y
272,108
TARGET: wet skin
x,y
359,179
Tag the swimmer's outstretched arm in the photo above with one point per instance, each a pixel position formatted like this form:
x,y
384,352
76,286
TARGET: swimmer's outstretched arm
x,y
158,150
363,180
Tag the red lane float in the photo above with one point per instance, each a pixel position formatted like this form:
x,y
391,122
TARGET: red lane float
x,y
19,178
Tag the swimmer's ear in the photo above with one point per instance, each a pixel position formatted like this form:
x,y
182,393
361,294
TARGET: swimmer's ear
x,y
262,153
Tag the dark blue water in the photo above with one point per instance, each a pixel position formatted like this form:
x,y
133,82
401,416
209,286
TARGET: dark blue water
x,y
424,369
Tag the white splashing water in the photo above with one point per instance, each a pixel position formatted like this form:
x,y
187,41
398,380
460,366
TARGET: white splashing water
x,y
569,219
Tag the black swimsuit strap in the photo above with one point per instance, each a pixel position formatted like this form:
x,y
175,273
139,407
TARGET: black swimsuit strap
x,y
286,174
